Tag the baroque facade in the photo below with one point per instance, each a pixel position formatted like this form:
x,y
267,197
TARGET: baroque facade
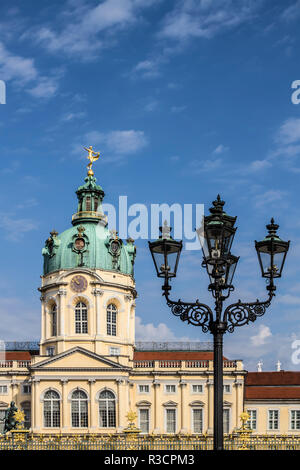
x,y
88,373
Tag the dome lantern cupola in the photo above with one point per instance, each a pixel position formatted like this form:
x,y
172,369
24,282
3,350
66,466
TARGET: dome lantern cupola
x,y
89,243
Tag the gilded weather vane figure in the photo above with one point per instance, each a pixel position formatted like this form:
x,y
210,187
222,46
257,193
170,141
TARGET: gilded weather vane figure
x,y
92,156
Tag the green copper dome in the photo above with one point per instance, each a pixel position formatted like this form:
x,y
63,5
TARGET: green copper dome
x,y
88,243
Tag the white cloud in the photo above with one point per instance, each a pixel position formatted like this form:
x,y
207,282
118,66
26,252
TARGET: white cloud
x,y
292,12
202,166
87,30
268,197
14,227
289,132
262,336
151,106
150,332
258,165
13,67
46,87
205,18
220,149
23,73
71,116
288,299
148,68
119,142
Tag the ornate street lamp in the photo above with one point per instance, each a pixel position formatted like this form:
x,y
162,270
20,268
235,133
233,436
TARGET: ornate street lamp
x,y
216,237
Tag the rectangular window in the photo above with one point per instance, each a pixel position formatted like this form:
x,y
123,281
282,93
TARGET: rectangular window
x,y
114,351
273,421
252,421
295,420
197,388
95,204
3,389
26,388
226,416
197,420
144,420
170,388
226,388
50,351
143,388
171,420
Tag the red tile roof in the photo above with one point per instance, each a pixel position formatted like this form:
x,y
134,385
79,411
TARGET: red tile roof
x,y
266,393
273,378
16,355
282,385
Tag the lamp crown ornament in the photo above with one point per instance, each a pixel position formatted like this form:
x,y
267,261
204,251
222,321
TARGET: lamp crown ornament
x,y
272,227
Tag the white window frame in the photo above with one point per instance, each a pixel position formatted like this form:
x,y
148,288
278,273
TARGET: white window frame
x,y
4,385
170,392
170,408
50,350
143,385
250,420
268,419
111,320
197,408
114,351
196,392
23,389
227,408
144,408
81,318
52,411
224,388
290,419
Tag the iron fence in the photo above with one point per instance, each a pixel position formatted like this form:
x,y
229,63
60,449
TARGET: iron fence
x,y
27,441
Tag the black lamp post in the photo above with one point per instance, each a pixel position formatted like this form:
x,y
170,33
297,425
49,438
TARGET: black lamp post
x,y
216,237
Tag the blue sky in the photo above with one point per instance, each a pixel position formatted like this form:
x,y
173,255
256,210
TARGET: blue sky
x,y
184,100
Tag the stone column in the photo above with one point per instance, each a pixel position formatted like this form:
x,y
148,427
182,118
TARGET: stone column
x,y
210,406
43,319
61,312
183,412
156,430
36,404
97,293
121,412
92,410
238,404
64,405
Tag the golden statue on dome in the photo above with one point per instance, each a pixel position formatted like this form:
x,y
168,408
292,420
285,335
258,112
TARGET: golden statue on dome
x,y
92,157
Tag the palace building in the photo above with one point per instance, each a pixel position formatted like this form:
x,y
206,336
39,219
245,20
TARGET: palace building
x,y
87,372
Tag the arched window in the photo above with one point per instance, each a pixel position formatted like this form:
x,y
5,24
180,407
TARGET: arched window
x,y
81,319
107,409
79,409
111,320
51,409
54,320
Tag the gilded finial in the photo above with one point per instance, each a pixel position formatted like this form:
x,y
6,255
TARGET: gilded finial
x,y
92,157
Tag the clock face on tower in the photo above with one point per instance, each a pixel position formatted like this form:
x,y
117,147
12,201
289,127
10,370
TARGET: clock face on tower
x,y
78,284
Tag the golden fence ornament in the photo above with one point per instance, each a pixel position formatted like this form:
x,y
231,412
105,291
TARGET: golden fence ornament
x,y
244,432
